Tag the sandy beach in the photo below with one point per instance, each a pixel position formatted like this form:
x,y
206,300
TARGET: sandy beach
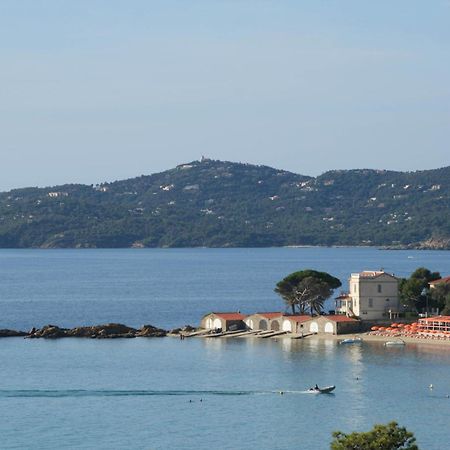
x,y
382,339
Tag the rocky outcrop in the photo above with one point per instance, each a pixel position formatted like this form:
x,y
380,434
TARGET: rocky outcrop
x,y
183,330
12,333
150,331
434,244
108,331
47,332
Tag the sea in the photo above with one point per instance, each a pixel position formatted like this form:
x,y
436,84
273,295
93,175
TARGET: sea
x,y
166,393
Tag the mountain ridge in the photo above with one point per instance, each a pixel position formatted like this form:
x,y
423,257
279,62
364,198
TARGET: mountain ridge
x,y
211,203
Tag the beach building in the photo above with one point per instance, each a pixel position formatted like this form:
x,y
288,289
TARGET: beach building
x,y
295,324
328,324
264,321
373,295
227,321
437,324
435,283
334,324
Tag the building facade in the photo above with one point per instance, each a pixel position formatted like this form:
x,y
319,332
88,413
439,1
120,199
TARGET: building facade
x,y
264,321
223,321
373,295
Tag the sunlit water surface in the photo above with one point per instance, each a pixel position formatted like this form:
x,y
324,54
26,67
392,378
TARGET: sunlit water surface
x,y
199,393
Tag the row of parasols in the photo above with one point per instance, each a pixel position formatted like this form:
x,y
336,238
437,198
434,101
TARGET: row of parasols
x,y
411,328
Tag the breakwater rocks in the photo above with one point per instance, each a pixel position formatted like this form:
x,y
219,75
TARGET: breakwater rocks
x,y
12,333
108,331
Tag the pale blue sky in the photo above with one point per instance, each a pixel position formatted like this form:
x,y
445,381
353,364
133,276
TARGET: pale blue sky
x,y
98,90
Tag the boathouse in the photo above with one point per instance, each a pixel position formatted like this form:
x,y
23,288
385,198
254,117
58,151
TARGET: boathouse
x,y
333,324
295,324
228,321
264,321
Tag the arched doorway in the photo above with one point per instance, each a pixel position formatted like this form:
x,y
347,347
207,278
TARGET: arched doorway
x,y
329,328
314,327
275,325
287,325
217,323
263,324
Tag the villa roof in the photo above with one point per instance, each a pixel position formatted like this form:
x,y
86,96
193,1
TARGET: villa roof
x,y
343,297
299,319
373,274
441,280
230,315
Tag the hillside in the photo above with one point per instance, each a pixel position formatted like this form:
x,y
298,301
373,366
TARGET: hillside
x,y
224,204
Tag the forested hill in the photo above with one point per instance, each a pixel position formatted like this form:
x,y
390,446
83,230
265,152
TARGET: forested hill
x,y
223,204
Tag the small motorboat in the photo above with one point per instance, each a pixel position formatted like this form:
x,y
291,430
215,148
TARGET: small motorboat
x,y
355,340
324,390
395,343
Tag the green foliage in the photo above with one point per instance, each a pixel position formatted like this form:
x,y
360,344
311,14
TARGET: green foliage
x,y
306,290
414,290
440,297
223,204
381,437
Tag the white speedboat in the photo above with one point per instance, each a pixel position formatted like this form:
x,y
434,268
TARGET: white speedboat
x,y
324,390
394,343
356,340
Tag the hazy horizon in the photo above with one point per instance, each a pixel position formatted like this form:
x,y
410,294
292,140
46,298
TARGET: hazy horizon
x,y
103,90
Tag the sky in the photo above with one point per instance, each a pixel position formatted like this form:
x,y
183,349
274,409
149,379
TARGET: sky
x,y
100,90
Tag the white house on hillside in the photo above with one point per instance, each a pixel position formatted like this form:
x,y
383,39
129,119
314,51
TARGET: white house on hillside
x,y
373,296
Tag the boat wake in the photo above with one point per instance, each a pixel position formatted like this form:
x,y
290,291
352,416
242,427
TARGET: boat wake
x,y
69,393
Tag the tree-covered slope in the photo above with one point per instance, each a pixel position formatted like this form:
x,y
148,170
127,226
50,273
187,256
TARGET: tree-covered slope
x,y
215,203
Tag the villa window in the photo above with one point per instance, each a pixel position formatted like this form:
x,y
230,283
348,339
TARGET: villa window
x,y
354,288
370,302
379,288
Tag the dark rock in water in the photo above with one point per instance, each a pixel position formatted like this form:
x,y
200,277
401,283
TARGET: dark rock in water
x,y
48,332
109,330
188,328
175,331
151,331
12,333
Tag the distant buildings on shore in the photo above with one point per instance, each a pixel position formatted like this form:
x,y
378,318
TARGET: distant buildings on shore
x,y
280,322
373,296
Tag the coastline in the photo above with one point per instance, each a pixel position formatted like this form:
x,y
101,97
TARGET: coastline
x,y
366,337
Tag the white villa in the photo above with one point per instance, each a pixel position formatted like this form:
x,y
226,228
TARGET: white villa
x,y
373,296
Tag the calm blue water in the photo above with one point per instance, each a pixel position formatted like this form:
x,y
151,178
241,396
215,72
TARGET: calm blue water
x,y
170,288
145,393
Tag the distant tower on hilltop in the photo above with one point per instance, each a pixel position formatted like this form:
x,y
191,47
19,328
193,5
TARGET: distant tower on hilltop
x,y
204,159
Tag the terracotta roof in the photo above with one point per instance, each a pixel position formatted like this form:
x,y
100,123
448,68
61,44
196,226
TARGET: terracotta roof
x,y
343,297
340,318
441,280
270,315
230,315
298,318
436,319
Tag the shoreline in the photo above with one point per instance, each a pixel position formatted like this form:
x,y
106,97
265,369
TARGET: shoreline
x,y
119,331
366,337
